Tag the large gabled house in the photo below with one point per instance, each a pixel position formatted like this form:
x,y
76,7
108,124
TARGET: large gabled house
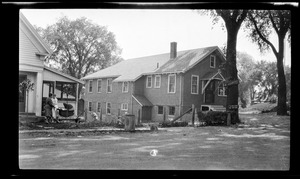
x,y
158,87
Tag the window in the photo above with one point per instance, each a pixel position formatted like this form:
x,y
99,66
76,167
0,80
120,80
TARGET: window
x,y
124,106
65,91
90,106
194,84
171,83
109,86
108,108
222,90
90,86
99,84
98,106
157,81
125,87
171,110
160,110
149,82
212,61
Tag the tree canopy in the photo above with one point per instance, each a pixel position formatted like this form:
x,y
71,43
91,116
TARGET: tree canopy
x,y
80,47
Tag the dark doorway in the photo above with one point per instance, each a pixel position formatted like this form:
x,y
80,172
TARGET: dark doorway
x,y
209,92
146,113
22,95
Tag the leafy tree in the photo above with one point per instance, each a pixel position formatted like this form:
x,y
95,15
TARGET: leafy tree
x,y
246,70
262,23
80,47
233,20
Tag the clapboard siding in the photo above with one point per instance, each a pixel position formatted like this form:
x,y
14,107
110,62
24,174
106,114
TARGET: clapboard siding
x,y
28,48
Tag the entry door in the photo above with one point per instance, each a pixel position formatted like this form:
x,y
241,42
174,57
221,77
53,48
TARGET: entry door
x,y
146,113
209,92
22,95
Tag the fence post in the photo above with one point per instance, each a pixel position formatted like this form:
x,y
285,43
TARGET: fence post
x,y
164,111
100,117
193,114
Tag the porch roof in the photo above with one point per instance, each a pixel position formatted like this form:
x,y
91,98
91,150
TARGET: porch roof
x,y
59,76
213,75
142,100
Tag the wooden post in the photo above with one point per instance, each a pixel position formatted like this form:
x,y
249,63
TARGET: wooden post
x,y
100,117
228,119
193,114
164,111
139,116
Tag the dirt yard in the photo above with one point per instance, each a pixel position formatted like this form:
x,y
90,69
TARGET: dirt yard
x,y
261,142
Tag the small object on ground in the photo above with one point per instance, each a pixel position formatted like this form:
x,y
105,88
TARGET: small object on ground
x,y
153,152
153,128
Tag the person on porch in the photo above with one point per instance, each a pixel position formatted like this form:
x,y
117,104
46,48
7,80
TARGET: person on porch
x,y
48,108
54,109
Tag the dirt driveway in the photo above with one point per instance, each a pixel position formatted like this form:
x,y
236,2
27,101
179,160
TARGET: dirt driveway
x,y
261,143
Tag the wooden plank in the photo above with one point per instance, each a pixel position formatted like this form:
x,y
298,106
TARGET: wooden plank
x,y
189,110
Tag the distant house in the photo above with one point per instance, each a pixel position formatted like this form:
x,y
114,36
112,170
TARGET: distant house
x,y
32,53
158,87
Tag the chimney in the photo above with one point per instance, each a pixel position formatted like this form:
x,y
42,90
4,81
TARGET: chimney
x,y
173,51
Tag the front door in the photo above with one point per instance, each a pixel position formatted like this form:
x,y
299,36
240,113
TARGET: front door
x,y
146,113
22,95
209,92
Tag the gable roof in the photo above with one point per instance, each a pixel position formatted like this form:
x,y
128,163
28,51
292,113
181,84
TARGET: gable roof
x,y
142,100
133,69
186,60
36,35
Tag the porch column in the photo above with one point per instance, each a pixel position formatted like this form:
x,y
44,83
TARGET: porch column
x,y
39,93
76,103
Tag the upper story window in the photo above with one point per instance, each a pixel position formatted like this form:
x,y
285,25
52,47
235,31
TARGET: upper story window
x,y
172,83
149,82
194,84
125,87
99,85
157,81
90,86
109,86
212,63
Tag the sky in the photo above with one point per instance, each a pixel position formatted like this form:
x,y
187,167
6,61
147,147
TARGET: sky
x,y
145,32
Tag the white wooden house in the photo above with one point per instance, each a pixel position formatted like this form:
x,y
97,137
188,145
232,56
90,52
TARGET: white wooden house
x,y
33,51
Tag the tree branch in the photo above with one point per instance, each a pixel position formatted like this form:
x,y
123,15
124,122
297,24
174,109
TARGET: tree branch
x,y
273,23
261,36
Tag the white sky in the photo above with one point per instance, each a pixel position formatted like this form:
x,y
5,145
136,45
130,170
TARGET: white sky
x,y
149,32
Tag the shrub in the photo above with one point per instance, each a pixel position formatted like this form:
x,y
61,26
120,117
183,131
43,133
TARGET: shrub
x,y
175,124
217,118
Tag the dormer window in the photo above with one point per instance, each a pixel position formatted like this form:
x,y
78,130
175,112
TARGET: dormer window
x,y
212,63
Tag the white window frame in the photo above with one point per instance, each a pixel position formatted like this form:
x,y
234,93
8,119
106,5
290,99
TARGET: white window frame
x,y
169,111
223,87
169,83
107,108
107,85
123,91
99,80
89,86
123,106
156,81
98,106
90,102
158,110
147,81
197,89
214,57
